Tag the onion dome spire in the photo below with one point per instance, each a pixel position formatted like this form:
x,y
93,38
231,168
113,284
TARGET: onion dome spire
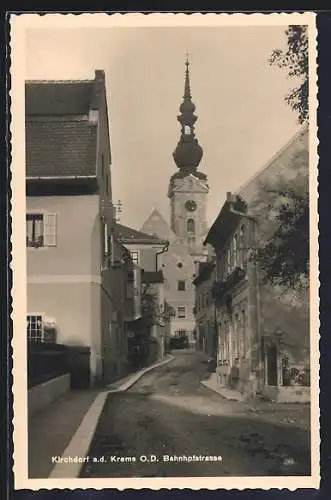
x,y
188,152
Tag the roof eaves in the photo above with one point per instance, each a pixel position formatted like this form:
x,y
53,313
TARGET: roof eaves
x,y
59,177
88,80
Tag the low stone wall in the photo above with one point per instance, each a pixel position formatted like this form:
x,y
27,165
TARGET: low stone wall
x,y
40,396
291,394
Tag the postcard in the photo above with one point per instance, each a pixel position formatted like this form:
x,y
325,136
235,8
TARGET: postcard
x,y
165,298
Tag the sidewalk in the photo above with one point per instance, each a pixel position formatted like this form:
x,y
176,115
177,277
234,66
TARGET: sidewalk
x,y
292,414
67,425
211,383
50,431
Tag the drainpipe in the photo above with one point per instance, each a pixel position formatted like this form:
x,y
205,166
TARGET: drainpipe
x,y
164,249
257,275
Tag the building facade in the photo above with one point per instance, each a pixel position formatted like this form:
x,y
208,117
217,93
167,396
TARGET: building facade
x,y
72,284
150,329
205,309
187,192
263,330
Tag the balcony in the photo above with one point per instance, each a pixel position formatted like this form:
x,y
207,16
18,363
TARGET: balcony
x,y
221,289
237,275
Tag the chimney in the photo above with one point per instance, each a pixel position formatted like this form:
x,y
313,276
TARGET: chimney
x,y
230,198
99,74
98,88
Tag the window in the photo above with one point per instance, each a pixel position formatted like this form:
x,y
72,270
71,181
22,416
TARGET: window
x,y
129,290
105,240
236,335
244,341
243,247
191,240
235,250
107,184
102,165
135,257
228,263
107,246
181,312
181,285
180,265
40,229
35,327
130,274
191,226
187,130
35,230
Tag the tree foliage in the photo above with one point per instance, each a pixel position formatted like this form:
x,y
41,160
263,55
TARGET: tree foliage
x,y
284,257
149,304
284,254
152,310
295,60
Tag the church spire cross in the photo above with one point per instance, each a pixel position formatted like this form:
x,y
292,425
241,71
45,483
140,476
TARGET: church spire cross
x,y
187,89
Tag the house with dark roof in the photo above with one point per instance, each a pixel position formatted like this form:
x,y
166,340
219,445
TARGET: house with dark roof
x,y
80,278
147,252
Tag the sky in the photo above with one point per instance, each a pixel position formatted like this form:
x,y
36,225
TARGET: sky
x,y
243,119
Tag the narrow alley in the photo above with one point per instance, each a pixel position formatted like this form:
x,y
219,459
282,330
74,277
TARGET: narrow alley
x,y
168,425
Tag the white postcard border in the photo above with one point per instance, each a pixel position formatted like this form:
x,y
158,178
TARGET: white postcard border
x,y
18,25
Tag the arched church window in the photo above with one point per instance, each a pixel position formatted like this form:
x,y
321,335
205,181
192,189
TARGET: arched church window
x,y
187,130
191,226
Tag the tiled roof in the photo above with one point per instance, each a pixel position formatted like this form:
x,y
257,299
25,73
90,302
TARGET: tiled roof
x,y
128,235
60,148
152,277
225,221
60,139
58,98
157,225
298,141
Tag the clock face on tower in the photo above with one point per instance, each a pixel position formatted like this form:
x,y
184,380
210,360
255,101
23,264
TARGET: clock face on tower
x,y
190,206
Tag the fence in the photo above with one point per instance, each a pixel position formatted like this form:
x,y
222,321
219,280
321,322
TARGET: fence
x,y
47,361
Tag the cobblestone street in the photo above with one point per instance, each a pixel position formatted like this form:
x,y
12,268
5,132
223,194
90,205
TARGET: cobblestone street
x,y
168,415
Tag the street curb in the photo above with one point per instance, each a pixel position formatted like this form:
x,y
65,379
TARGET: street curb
x,y
228,398
139,374
79,444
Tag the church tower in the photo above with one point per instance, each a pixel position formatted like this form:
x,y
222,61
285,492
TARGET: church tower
x,y
188,188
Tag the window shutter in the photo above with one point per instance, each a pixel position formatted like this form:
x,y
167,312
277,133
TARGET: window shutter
x,y
50,230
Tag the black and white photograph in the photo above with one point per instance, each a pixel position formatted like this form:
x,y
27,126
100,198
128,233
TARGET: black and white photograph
x,y
165,302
